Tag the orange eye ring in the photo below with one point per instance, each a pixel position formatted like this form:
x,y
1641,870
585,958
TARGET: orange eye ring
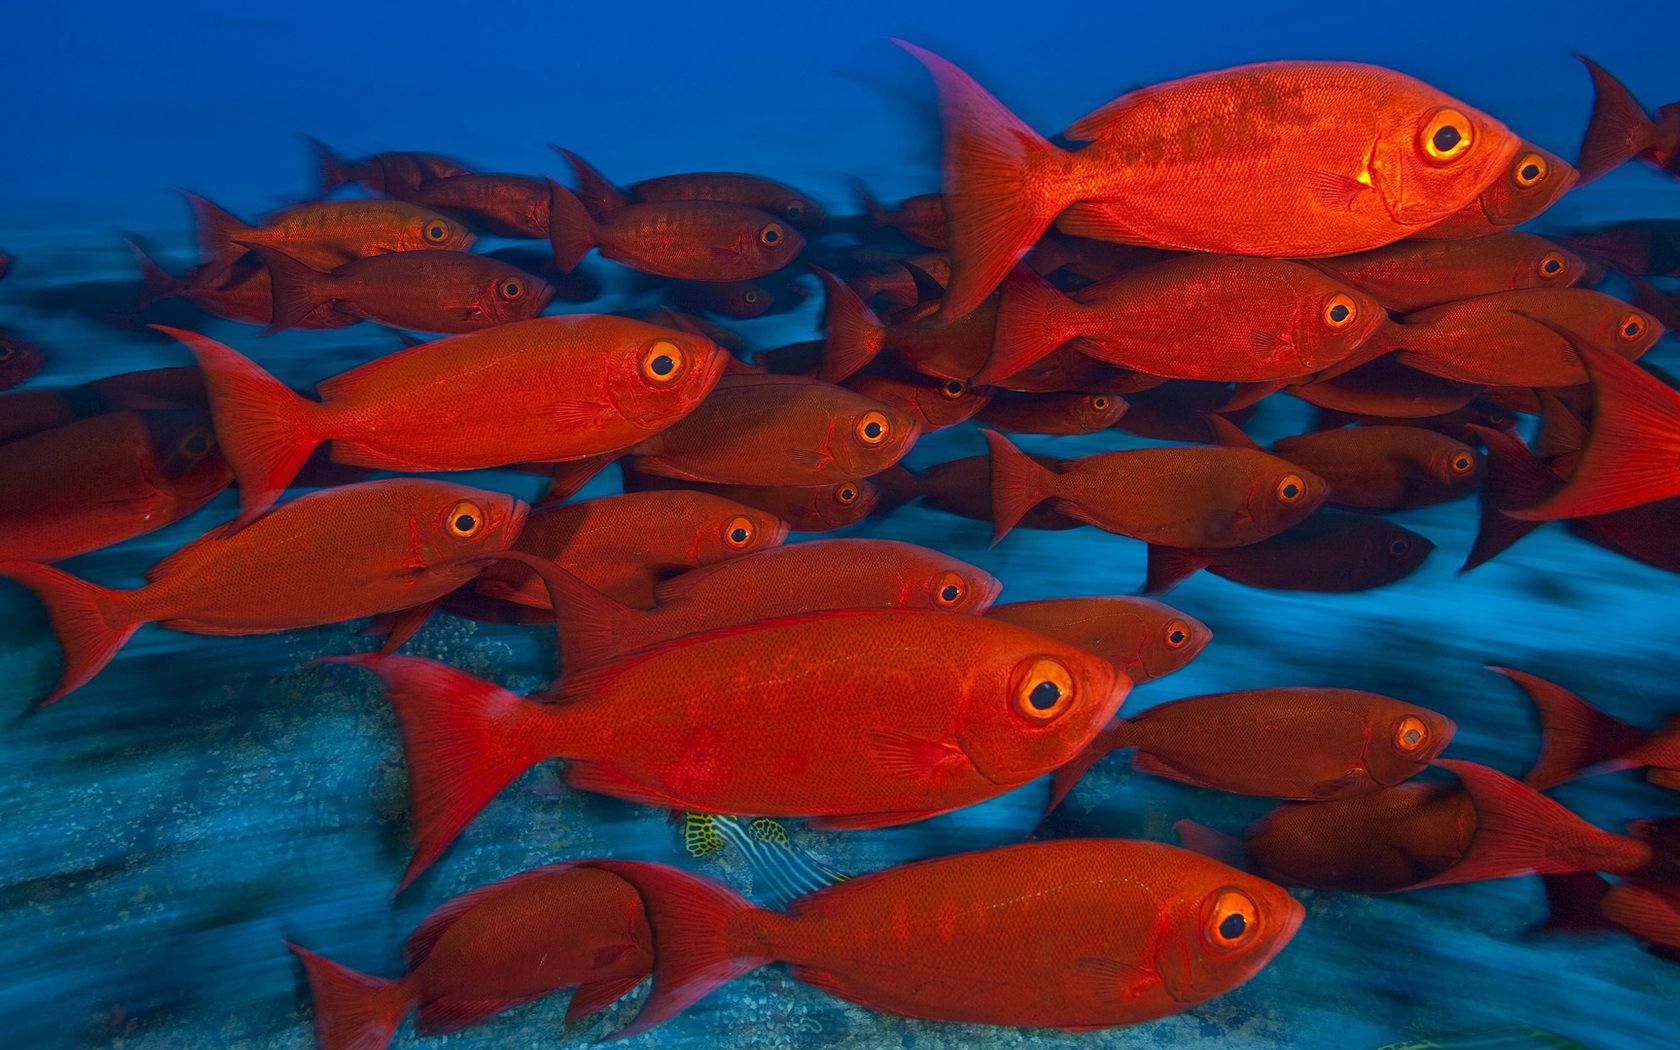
x,y
1530,170
1232,920
949,590
511,289
1291,489
1463,463
739,532
873,428
1099,403
1178,634
953,389
772,235
466,520
1399,546
1631,327
1411,735
1340,311
1552,264
1045,692
436,232
662,362
795,210
845,494
1447,136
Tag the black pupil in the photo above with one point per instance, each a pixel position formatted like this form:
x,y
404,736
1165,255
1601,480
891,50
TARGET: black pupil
x,y
1446,138
1398,546
1412,736
953,389
872,430
196,444
1338,313
738,535
1530,172
1232,926
663,365
465,523
1291,491
949,592
510,289
437,233
847,495
1632,328
1551,266
1045,695
1100,403
1176,637
771,236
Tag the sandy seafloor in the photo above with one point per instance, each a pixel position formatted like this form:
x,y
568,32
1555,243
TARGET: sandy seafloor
x,y
163,829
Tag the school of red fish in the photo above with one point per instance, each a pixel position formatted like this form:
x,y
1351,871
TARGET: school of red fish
x,y
1335,232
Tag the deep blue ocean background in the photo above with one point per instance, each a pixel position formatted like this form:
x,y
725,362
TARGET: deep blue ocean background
x,y
163,829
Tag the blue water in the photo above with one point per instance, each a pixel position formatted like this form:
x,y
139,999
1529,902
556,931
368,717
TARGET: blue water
x,y
163,829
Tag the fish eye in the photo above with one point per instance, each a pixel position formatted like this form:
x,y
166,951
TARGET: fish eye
x,y
1552,264
795,210
1447,136
1411,734
1178,634
739,532
1399,546
949,590
751,297
1046,690
436,232
846,495
196,444
873,428
662,362
466,520
1340,311
1099,403
511,288
1530,169
772,235
953,388
1232,920
1463,463
1290,488
1632,327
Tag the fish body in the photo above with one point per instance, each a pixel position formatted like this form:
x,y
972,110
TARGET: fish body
x,y
1417,274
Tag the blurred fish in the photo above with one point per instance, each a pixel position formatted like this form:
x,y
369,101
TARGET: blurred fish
x,y
964,487
20,360
690,240
1291,159
920,218
494,948
602,198
1620,129
1056,414
739,299
328,234
1643,247
399,175
1385,467
102,480
1095,933
325,557
804,508
1413,275
1143,639
505,205
934,404
1387,389
1578,740
242,291
26,412
1534,182
1331,552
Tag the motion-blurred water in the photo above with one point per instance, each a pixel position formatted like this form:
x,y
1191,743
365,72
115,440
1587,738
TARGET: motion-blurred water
x,y
164,828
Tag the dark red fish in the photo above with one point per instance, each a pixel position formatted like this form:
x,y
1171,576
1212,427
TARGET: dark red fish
x,y
1643,247
810,508
1415,275
26,412
395,174
1388,389
20,360
602,197
1143,639
1058,414
326,234
964,487
1385,467
242,291
505,205
5,264
690,240
1533,182
920,218
1620,129
1332,552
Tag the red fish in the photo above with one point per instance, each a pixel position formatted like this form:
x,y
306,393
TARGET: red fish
x,y
808,508
1620,129
505,205
1578,740
242,291
1189,497
738,299
920,218
1387,389
1533,182
1093,933
880,718
98,481
447,292
1143,639
26,412
690,240
626,545
1331,552
1208,317
585,384
395,174
964,487
1283,159
1414,275
327,234
1059,414
933,404
329,556
499,946
754,191
1294,743
1385,467
20,361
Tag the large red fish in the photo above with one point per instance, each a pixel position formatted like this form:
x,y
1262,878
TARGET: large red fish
x,y
1186,497
1076,934
878,718
690,240
549,389
1579,740
98,481
1533,182
329,233
1620,129
489,950
1283,159
328,556
1414,275
754,191
1332,552
393,174
1143,639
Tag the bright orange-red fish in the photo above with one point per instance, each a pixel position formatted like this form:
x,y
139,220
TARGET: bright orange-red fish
x,y
329,233
497,947
691,240
549,389
98,481
328,556
1290,159
394,174
1620,129
874,718
1091,933
1415,274
1142,638
602,198
1533,183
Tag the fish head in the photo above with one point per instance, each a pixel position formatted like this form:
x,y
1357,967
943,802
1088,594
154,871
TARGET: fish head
x,y
1456,466
1436,155
457,523
1035,706
1170,640
1530,184
19,360
866,437
186,453
801,211
733,529
428,231
952,586
513,295
1280,494
658,375
1401,741
843,503
1220,927
1543,264
1332,321
769,242
1394,550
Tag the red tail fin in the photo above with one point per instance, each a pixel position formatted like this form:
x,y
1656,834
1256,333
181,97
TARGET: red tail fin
x,y
330,168
465,739
1032,321
1632,455
698,939
218,229
1515,478
88,630
1170,566
353,1011
573,474
1110,739
1651,911
1522,832
297,289
852,334
1018,484
571,229
594,627
266,430
1575,736
597,193
998,201
156,283
1619,128
1561,431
